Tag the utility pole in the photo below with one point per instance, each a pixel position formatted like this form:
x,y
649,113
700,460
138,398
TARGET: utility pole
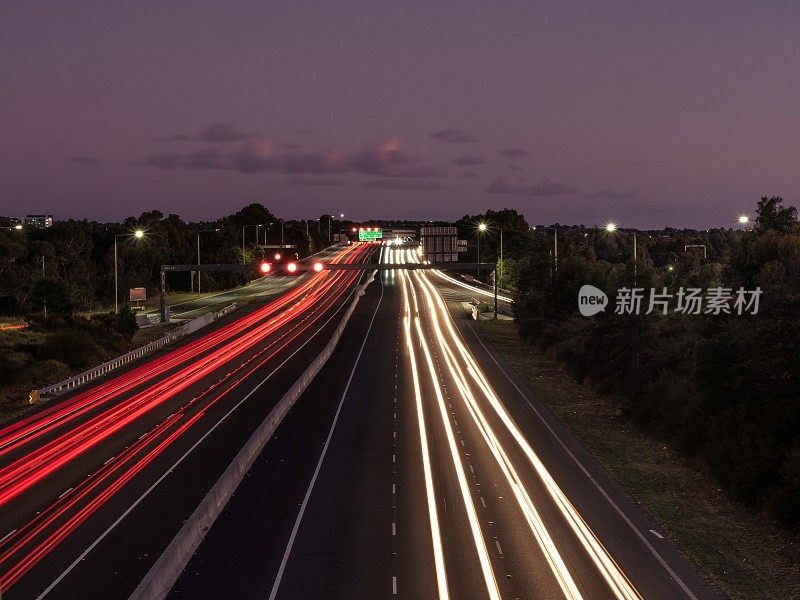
x,y
501,253
555,249
198,263
495,293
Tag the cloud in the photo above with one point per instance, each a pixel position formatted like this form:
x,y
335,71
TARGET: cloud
x,y
549,186
258,154
163,160
619,196
514,153
453,136
394,184
513,168
216,133
470,174
468,161
209,158
390,160
89,161
314,181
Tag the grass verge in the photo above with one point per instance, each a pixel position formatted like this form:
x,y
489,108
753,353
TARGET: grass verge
x,y
746,555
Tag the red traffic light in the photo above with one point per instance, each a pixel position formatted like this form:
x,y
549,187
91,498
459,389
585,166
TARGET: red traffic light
x,y
317,267
291,267
265,267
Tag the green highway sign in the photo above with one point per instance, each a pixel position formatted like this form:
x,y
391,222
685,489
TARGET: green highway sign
x,y
369,234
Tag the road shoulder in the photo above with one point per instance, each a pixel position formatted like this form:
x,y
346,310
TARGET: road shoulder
x,y
743,554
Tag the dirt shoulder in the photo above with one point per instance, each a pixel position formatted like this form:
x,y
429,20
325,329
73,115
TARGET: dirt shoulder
x,y
746,555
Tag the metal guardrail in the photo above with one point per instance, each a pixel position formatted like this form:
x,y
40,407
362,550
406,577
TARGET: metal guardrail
x,y
115,363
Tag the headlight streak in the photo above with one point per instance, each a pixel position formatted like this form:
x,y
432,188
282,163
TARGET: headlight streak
x,y
436,538
617,581
469,505
527,506
475,528
471,287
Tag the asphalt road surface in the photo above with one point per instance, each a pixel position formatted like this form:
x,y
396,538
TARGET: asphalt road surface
x,y
269,286
416,465
94,486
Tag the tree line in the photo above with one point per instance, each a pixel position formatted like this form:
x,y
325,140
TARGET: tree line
x,y
721,388
69,266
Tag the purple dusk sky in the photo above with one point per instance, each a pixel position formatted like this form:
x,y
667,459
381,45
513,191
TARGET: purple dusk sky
x,y
651,113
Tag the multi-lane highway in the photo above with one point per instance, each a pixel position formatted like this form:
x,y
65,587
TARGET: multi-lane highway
x,y
269,286
417,465
93,486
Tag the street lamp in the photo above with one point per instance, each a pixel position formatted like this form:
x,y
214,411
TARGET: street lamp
x,y
198,255
138,234
482,227
243,228
611,228
743,219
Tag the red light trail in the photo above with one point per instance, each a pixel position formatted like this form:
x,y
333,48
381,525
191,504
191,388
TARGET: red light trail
x,y
288,318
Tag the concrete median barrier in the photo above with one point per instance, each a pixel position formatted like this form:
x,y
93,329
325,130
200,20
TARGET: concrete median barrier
x,y
166,570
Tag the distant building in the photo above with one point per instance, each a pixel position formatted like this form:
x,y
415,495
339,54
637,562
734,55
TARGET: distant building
x,y
38,221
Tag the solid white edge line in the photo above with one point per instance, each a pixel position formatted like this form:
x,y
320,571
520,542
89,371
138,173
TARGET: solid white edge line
x,y
575,459
274,592
146,493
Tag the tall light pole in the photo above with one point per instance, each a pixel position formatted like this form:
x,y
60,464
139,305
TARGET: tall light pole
x,y
138,234
481,228
243,228
198,255
501,253
555,247
611,228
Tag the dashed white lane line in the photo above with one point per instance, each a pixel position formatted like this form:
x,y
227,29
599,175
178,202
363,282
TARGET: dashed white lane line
x,y
499,549
394,529
394,586
585,471
483,502
658,535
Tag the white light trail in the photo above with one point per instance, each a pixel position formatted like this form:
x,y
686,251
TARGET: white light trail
x,y
438,553
620,585
472,288
535,522
463,484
